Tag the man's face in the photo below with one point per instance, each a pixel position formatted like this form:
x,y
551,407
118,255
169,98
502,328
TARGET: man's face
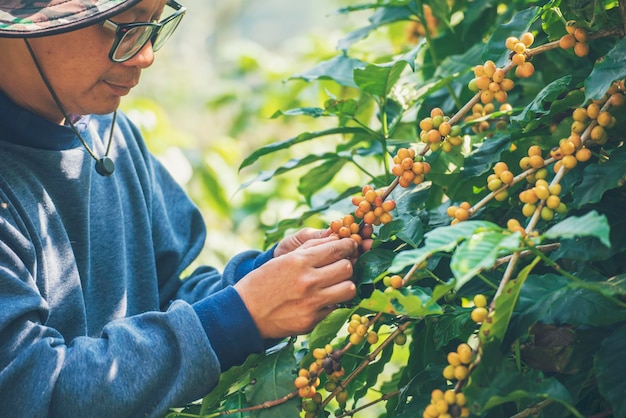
x,y
78,67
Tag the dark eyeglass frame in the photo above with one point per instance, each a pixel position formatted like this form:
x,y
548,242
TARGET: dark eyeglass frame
x,y
122,29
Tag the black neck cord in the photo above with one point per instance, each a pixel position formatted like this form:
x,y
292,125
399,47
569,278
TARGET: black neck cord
x,y
104,165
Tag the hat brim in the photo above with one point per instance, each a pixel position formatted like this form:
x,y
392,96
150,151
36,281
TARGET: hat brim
x,y
29,19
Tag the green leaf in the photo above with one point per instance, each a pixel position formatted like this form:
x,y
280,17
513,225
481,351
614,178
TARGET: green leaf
x,y
314,112
451,327
341,107
388,231
493,330
590,224
555,299
273,379
482,159
413,232
306,136
607,70
598,178
378,80
231,380
413,302
539,110
443,239
382,16
293,164
319,177
214,191
506,384
325,331
479,252
610,370
339,69
372,264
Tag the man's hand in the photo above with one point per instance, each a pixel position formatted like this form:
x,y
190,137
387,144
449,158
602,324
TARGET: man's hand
x,y
295,290
295,241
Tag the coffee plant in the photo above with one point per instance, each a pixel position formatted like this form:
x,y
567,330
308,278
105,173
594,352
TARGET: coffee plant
x,y
491,219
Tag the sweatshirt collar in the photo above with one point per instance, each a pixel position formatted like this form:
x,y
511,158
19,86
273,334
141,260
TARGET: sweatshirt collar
x,y
23,127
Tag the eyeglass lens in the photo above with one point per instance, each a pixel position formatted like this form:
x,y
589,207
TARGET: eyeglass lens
x,y
135,38
132,41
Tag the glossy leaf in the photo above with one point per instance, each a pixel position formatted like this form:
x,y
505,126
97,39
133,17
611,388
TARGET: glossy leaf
x,y
444,239
413,302
293,164
610,368
340,69
591,224
598,178
320,176
378,80
276,369
306,136
381,17
609,69
481,251
492,331
507,384
539,109
550,299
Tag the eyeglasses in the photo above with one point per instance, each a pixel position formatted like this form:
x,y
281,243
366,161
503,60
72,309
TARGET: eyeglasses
x,y
130,38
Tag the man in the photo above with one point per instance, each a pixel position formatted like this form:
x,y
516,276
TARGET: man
x,y
95,320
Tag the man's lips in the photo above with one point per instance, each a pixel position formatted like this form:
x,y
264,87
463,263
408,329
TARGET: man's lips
x,y
119,88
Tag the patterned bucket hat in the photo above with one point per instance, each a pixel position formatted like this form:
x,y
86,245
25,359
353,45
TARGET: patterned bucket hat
x,y
31,18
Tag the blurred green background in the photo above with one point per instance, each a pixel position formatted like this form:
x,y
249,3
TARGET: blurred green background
x,y
207,101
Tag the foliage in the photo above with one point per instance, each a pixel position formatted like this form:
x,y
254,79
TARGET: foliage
x,y
552,340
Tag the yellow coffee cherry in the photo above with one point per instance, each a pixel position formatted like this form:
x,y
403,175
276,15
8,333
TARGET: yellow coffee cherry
x,y
450,396
480,301
448,372
454,358
465,353
478,315
460,372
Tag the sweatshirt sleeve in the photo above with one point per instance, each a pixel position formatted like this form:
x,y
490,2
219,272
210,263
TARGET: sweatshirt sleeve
x,y
137,366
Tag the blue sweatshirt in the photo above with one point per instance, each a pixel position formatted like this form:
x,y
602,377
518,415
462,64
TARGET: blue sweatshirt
x,y
95,319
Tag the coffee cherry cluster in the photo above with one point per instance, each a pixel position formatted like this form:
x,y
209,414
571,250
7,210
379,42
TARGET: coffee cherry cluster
x,y
341,396
371,208
548,195
459,213
437,132
534,159
312,406
307,381
448,404
358,328
480,111
566,153
458,362
480,312
491,82
501,176
576,38
519,58
347,228
409,168
604,120
328,359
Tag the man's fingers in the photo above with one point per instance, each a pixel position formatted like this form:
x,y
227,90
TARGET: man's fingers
x,y
338,293
328,250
